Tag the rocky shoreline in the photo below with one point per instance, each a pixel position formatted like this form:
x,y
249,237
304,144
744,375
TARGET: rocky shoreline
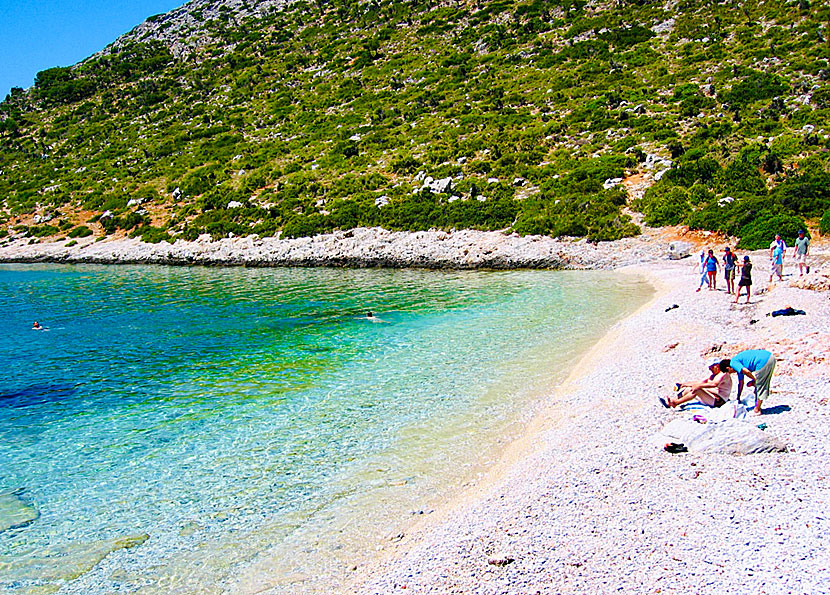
x,y
363,247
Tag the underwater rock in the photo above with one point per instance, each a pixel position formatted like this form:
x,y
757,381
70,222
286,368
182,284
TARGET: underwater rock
x,y
14,512
69,562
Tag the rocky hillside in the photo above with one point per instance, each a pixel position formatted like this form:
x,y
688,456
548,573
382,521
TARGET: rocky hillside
x,y
240,117
185,29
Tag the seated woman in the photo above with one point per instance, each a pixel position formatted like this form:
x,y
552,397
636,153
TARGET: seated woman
x,y
712,392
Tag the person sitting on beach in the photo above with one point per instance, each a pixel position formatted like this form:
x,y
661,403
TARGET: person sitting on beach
x,y
713,391
758,364
746,279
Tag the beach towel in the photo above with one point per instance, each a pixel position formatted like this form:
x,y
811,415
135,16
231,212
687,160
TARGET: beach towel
x,y
789,311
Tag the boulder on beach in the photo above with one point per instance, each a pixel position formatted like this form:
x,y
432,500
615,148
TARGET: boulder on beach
x,y
678,250
731,436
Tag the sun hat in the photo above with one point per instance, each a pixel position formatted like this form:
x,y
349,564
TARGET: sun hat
x,y
715,362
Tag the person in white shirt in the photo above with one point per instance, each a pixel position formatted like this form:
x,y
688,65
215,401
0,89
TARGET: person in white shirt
x,y
778,242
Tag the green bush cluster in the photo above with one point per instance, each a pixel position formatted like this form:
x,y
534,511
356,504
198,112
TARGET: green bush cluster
x,y
735,199
80,231
308,115
824,224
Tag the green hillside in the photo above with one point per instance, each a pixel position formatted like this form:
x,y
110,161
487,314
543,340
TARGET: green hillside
x,y
332,115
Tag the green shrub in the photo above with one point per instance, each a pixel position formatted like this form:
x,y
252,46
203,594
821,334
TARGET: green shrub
x,y
81,231
670,207
754,87
151,235
60,85
824,223
301,226
760,232
806,194
43,230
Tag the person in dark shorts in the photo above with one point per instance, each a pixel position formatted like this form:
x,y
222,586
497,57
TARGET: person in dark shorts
x,y
746,279
729,263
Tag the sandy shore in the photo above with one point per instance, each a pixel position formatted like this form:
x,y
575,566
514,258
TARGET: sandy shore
x,y
585,504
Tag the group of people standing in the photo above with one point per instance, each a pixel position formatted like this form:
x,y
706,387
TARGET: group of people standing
x,y
710,265
778,249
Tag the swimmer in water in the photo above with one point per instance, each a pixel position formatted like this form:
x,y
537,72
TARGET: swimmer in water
x,y
36,326
371,317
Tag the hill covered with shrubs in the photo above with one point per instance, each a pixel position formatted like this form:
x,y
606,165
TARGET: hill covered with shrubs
x,y
244,117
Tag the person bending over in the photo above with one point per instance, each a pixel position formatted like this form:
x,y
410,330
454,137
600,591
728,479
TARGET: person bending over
x,y
758,364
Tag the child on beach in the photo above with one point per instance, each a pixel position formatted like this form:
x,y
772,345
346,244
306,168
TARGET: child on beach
x,y
712,392
746,279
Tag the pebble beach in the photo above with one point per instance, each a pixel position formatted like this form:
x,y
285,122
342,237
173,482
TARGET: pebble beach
x,y
585,502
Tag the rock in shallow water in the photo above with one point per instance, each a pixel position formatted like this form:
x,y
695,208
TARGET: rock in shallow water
x,y
14,512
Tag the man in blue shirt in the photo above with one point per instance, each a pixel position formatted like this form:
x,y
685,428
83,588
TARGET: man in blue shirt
x,y
759,365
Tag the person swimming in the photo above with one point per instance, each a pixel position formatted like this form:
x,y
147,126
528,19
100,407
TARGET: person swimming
x,y
370,316
37,326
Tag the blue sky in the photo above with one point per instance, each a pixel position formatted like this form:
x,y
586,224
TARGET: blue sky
x,y
39,34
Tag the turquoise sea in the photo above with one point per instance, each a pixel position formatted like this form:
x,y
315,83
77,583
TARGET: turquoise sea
x,y
182,430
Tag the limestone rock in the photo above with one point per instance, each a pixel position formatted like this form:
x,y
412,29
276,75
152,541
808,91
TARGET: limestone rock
x,y
14,512
731,436
816,282
678,250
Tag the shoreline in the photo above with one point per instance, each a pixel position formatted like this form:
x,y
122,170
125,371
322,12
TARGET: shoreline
x,y
615,512
426,507
563,515
358,248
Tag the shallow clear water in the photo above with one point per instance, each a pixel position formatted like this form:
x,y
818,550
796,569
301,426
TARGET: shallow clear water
x,y
232,414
